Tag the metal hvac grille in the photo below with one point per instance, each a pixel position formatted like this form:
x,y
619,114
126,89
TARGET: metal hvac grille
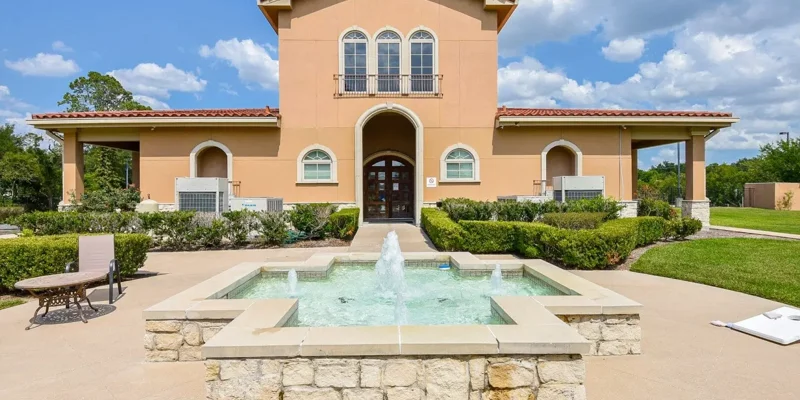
x,y
200,201
576,194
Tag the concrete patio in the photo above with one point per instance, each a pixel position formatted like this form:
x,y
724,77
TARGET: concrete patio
x,y
684,357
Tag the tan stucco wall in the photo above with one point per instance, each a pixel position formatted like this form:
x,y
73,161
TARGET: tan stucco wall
x,y
767,195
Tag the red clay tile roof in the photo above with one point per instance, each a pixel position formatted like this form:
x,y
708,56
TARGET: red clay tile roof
x,y
560,112
220,113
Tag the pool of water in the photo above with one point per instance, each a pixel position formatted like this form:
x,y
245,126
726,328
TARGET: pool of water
x,y
351,296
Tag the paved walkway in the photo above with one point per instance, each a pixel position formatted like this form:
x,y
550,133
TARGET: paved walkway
x,y
684,357
370,237
757,232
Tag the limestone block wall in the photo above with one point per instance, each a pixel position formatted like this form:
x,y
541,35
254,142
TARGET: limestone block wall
x,y
611,335
178,340
399,378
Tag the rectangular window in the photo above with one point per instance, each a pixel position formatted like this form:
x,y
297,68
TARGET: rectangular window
x,y
422,79
315,172
459,170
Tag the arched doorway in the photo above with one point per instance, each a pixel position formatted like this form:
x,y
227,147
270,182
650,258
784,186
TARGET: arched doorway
x,y
560,162
394,134
388,188
212,162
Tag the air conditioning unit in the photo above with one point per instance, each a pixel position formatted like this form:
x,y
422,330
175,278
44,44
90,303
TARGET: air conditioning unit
x,y
208,195
271,204
578,187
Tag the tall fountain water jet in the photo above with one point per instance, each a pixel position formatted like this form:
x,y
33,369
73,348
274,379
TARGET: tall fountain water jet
x,y
497,280
390,271
292,281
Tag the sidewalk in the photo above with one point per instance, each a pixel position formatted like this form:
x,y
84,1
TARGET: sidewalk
x,y
757,232
369,238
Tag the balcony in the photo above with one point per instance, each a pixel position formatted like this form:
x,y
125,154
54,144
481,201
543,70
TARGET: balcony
x,y
387,85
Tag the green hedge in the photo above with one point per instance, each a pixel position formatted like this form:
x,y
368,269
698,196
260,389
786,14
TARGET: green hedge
x,y
461,209
443,232
24,258
343,224
655,208
489,237
8,213
608,245
574,220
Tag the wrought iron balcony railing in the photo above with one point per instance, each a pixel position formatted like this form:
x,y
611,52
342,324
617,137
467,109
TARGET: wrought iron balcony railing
x,y
387,85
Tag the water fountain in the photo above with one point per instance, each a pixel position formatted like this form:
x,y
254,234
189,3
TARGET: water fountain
x,y
497,280
292,281
390,270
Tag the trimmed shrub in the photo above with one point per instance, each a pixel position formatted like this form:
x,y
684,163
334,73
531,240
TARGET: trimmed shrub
x,y
681,228
574,220
343,224
488,237
443,232
470,210
24,258
175,231
656,208
108,200
648,229
607,206
271,227
312,219
528,241
238,225
8,213
208,230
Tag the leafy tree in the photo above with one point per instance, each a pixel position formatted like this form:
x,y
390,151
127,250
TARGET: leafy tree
x,y
780,162
9,142
20,171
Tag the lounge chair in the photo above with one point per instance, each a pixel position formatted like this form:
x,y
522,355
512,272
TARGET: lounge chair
x,y
97,253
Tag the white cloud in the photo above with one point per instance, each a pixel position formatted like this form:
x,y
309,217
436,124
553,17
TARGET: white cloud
x,y
151,102
44,64
61,47
155,81
5,92
252,60
226,88
625,50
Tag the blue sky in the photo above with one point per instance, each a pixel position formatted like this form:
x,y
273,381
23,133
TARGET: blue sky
x,y
736,55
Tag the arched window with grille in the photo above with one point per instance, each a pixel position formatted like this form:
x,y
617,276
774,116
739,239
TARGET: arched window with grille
x,y
316,164
422,51
389,44
354,63
460,162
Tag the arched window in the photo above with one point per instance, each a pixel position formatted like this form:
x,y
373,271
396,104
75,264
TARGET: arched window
x,y
460,163
422,61
354,51
316,164
388,61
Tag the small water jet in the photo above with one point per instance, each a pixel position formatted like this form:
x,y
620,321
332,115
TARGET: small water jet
x,y
292,282
497,280
390,271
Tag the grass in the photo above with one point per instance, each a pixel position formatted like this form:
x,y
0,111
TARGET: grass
x,y
8,303
761,267
756,218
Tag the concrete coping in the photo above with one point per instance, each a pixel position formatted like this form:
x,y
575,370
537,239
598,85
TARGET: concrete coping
x,y
257,327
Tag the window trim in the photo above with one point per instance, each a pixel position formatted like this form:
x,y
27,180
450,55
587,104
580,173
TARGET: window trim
x,y
301,165
476,164
370,54
407,65
402,53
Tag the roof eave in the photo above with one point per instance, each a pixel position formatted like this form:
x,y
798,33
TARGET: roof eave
x,y
711,122
150,122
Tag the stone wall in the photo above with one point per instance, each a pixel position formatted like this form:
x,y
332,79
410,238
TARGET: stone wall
x,y
452,378
630,209
611,335
698,209
178,340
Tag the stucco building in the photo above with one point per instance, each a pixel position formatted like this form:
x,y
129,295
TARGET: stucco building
x,y
389,106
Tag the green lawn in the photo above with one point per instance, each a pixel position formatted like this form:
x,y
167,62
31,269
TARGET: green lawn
x,y
761,267
8,303
757,218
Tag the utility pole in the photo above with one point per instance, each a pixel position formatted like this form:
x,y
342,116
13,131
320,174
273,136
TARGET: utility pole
x,y
785,133
678,164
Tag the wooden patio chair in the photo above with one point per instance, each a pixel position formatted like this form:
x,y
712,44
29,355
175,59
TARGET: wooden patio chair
x,y
97,253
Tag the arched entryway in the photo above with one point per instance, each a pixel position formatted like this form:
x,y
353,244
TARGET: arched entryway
x,y
212,162
389,146
560,158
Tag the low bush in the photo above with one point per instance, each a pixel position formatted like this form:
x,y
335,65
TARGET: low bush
x,y
443,231
208,230
681,228
461,209
8,213
656,208
488,237
648,229
343,224
238,225
24,258
271,227
107,200
608,206
528,240
470,210
312,219
574,220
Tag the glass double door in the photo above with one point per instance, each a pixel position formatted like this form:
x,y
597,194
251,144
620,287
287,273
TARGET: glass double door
x,y
389,189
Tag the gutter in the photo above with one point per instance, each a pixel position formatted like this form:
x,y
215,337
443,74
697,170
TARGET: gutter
x,y
150,122
628,121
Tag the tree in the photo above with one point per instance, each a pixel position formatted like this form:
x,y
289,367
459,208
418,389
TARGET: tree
x,y
19,171
780,162
9,142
